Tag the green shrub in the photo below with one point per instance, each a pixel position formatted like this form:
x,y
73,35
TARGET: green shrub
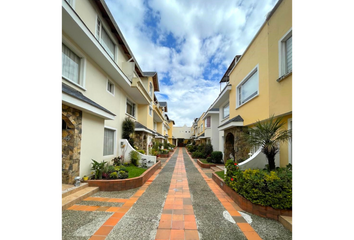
x,y
122,175
98,168
116,161
200,148
192,148
216,156
208,149
197,154
260,186
113,175
128,128
141,151
209,159
134,158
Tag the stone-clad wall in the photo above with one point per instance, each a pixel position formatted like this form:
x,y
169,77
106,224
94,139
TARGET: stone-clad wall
x,y
71,143
241,148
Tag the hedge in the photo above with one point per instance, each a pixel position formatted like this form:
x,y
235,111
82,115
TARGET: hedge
x,y
260,186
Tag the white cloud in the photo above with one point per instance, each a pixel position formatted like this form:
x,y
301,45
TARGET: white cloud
x,y
208,35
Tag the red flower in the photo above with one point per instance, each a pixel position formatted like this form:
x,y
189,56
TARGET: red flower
x,y
235,164
232,179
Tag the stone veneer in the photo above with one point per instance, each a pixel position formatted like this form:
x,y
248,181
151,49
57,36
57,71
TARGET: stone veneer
x,y
241,147
71,143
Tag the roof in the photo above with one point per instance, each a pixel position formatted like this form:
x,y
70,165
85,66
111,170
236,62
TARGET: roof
x,y
139,125
225,78
238,118
154,79
163,104
76,94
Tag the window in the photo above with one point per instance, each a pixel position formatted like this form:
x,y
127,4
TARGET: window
x,y
150,109
108,143
150,89
70,65
226,111
130,108
201,128
110,87
104,39
285,54
289,54
248,88
208,122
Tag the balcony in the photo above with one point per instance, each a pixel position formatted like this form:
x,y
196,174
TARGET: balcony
x,y
158,117
143,93
75,29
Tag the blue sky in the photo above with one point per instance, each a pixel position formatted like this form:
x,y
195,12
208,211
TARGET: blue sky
x,y
189,44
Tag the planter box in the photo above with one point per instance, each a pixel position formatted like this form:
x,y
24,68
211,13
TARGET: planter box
x,y
124,184
259,210
205,165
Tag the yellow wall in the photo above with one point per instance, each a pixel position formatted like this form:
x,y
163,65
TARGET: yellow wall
x,y
280,93
170,132
275,98
200,122
256,54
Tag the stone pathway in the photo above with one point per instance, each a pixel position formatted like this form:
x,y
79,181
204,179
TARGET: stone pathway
x,y
178,202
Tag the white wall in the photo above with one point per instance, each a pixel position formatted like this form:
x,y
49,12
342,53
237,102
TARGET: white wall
x,y
180,132
91,142
128,148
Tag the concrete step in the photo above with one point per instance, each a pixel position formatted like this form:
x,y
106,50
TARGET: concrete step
x,y
78,196
217,168
70,189
287,222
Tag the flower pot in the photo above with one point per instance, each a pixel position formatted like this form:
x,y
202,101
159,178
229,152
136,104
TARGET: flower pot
x,y
85,178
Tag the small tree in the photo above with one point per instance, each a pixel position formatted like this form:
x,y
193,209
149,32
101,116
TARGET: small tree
x,y
268,135
128,128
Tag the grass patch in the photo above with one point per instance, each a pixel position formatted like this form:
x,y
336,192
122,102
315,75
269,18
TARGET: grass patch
x,y
134,171
205,161
220,174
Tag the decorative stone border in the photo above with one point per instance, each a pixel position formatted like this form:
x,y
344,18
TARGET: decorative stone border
x,y
205,165
259,210
124,184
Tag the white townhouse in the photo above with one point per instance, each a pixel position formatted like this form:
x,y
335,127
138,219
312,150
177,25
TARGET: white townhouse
x,y
102,84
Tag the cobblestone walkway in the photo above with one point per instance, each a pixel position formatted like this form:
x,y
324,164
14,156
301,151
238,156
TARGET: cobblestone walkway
x,y
178,202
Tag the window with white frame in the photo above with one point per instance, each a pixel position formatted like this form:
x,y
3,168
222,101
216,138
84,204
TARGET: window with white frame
x,y
110,87
150,89
207,120
108,142
150,109
104,39
201,127
285,54
70,65
226,111
248,88
130,108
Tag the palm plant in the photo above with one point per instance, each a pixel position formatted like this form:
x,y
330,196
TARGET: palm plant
x,y
268,135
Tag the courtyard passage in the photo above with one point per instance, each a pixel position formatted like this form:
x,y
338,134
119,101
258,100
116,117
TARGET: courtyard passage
x,y
178,202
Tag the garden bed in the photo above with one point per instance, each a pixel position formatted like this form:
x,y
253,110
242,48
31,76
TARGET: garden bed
x,y
124,184
205,165
259,210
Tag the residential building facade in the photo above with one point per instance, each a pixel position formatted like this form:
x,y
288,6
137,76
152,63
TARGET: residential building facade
x,y
259,85
102,84
182,134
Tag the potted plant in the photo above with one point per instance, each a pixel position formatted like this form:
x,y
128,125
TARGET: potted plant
x,y
85,178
